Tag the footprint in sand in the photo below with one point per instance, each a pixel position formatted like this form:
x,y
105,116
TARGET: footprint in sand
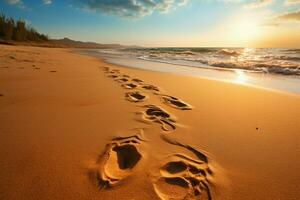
x,y
175,102
105,69
112,76
129,85
135,96
110,73
115,71
136,80
122,80
183,177
119,159
125,76
155,114
149,87
108,70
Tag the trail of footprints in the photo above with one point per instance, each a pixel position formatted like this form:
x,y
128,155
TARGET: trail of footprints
x,y
180,176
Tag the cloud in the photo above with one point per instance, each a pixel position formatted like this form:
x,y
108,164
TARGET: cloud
x,y
47,2
18,3
13,2
291,16
129,8
285,18
291,2
257,4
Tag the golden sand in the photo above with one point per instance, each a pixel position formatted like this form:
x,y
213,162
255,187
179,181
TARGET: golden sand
x,y
74,127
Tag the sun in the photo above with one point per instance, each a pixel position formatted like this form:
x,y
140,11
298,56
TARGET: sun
x,y
245,28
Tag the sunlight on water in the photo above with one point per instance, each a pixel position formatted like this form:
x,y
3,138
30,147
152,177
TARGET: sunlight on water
x,y
240,77
268,61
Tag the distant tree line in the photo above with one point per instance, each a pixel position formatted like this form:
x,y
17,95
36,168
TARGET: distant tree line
x,y
11,29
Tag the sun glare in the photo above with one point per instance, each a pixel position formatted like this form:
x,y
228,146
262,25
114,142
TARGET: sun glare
x,y
241,77
245,29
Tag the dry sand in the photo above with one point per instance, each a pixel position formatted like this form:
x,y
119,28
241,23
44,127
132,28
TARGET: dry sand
x,y
74,127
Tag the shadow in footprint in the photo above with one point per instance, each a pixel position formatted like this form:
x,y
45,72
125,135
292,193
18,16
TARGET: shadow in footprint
x,y
127,156
175,102
117,162
135,96
175,167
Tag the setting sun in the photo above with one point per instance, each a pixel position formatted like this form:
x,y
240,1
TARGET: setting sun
x,y
246,28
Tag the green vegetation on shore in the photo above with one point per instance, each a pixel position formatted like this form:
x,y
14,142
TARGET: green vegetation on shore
x,y
17,30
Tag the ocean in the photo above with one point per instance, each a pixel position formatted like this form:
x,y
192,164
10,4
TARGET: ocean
x,y
269,68
275,61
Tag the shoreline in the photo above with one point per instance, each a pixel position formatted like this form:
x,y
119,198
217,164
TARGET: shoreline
x,y
59,116
277,83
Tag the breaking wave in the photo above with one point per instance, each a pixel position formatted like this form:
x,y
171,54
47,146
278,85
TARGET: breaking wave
x,y
274,61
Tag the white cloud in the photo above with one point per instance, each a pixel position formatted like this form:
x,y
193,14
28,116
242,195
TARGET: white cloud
x,y
257,4
129,8
291,2
18,3
290,16
13,2
47,2
284,18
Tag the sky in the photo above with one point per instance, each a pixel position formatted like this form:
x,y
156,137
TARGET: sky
x,y
165,23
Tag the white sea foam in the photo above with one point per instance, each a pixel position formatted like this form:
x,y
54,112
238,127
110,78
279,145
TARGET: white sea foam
x,y
275,61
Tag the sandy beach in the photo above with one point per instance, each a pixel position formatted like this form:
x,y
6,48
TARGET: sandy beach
x,y
75,127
